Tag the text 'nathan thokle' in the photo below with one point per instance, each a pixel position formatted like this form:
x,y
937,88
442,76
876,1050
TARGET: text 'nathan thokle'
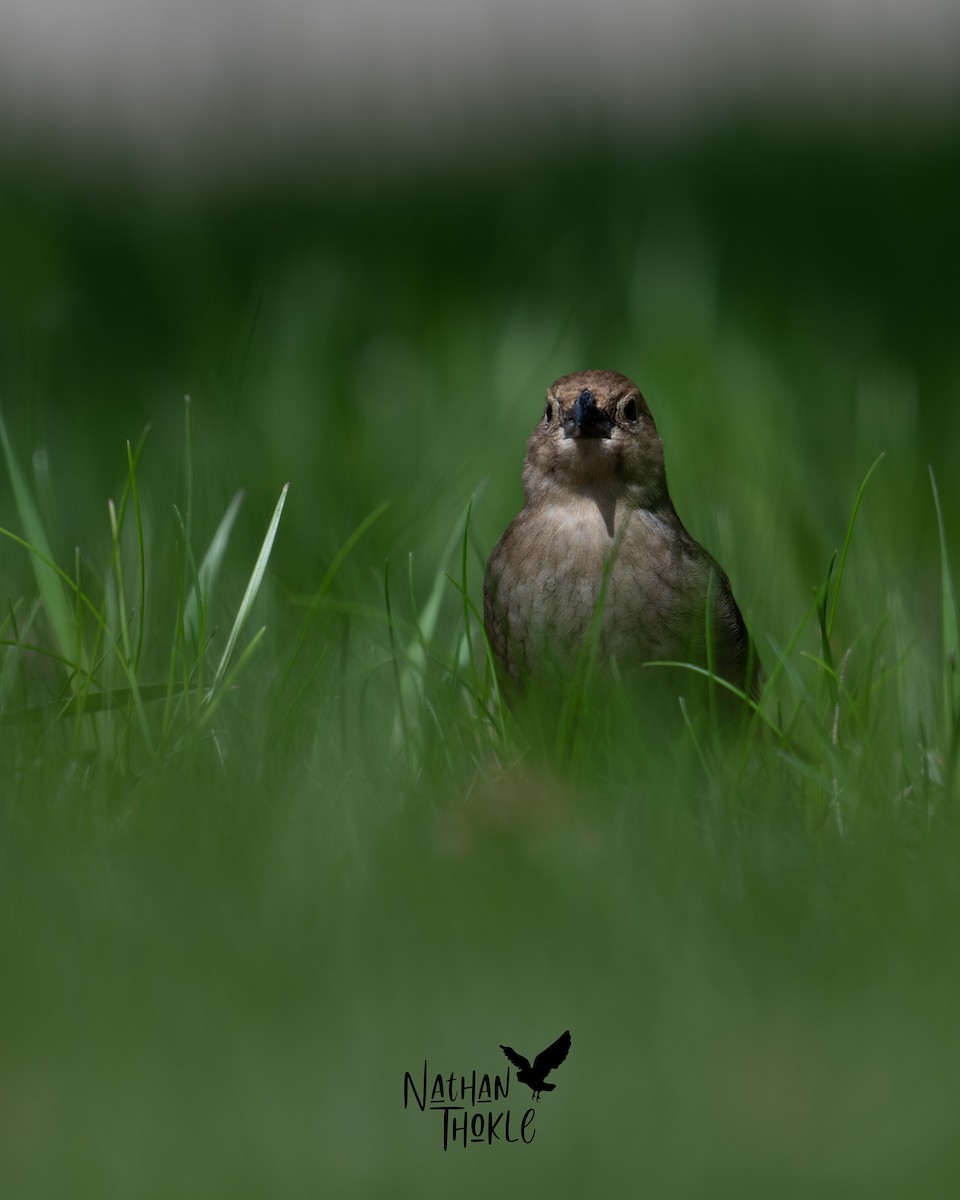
x,y
474,1108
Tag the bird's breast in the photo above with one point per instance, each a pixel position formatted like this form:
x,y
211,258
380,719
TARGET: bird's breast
x,y
552,564
555,579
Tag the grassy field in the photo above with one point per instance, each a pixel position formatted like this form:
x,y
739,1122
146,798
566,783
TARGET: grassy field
x,y
251,878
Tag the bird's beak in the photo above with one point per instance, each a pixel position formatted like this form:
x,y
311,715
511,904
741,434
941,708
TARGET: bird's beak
x,y
585,419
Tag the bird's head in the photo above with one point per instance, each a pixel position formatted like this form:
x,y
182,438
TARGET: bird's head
x,y
596,434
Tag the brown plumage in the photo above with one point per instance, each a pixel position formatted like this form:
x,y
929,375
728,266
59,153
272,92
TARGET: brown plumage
x,y
597,507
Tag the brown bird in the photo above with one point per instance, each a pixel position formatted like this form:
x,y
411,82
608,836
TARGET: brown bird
x,y
598,534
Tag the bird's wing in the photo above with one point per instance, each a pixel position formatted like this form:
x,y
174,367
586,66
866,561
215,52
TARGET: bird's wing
x,y
521,1063
553,1056
747,669
737,657
493,617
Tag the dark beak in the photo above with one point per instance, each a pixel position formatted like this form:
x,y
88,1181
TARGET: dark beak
x,y
586,420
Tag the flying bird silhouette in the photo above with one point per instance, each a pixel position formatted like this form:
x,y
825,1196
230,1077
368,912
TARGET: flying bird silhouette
x,y
543,1064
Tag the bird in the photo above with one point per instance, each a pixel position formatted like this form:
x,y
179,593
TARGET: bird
x,y
545,1062
598,545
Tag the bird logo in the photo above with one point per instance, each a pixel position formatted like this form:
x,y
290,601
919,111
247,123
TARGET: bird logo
x,y
545,1062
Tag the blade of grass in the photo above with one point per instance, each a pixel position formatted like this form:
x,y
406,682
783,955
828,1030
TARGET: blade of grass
x,y
92,702
951,638
12,670
821,595
118,577
84,600
253,587
847,539
125,494
474,682
395,661
207,715
331,573
78,609
187,567
210,568
711,664
142,605
45,572
188,467
693,737
483,700
427,619
81,733
719,681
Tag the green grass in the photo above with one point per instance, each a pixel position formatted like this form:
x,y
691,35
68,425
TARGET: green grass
x,y
269,835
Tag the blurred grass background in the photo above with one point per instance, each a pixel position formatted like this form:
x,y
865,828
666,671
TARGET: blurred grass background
x,y
218,963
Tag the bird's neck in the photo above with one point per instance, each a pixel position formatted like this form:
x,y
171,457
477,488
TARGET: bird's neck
x,y
614,502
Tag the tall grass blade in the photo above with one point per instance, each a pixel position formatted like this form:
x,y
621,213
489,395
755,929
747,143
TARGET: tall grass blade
x,y
142,558
253,587
474,681
188,467
822,596
720,682
207,715
210,568
51,589
325,584
394,658
847,540
951,634
92,702
711,663
121,600
181,653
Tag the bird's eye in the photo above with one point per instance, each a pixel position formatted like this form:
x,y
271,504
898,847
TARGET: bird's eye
x,y
548,413
630,410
